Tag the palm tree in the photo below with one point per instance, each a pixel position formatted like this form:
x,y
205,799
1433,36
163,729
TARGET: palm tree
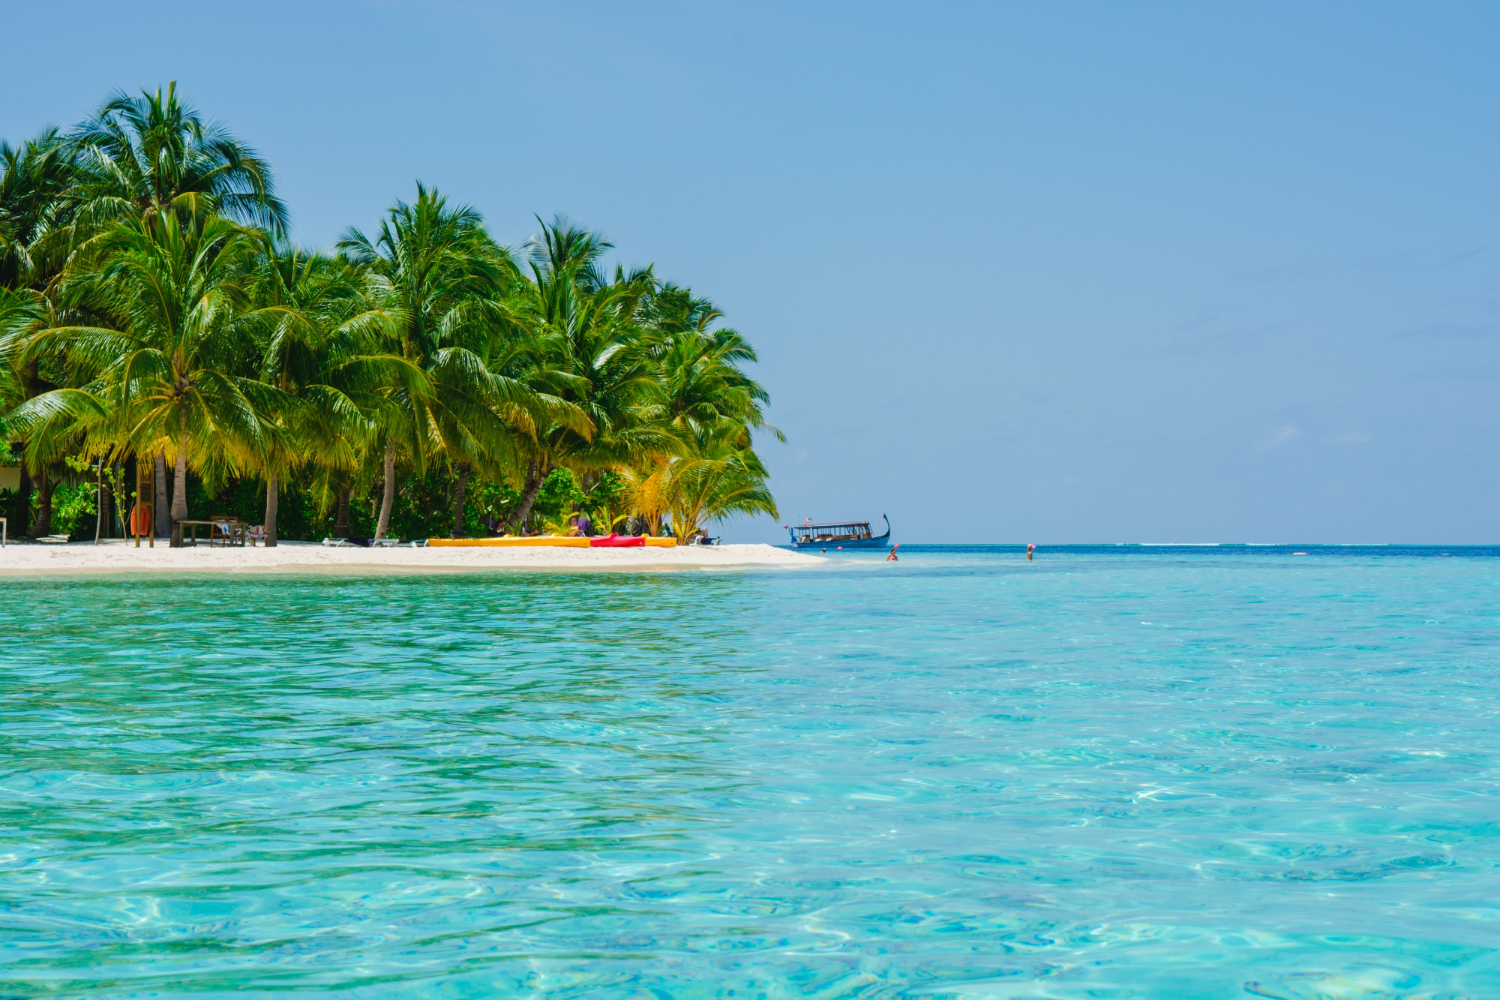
x,y
144,311
35,179
702,384
299,297
150,156
439,274
699,490
176,288
587,349
321,348
718,478
705,401
143,157
34,215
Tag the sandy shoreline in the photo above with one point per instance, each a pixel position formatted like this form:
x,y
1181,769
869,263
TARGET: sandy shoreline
x,y
118,556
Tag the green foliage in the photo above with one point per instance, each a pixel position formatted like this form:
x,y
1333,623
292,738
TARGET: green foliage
x,y
15,507
488,501
75,510
560,493
151,306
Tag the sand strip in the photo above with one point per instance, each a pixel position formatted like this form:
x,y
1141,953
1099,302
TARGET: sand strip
x,y
118,556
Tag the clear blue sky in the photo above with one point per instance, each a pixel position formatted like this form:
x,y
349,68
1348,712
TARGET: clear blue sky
x,y
1050,272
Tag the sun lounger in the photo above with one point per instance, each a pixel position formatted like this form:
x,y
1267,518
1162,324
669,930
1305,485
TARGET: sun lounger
x,y
372,543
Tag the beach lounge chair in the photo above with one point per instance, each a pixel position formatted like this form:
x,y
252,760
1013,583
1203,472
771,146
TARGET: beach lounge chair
x,y
255,533
384,543
339,543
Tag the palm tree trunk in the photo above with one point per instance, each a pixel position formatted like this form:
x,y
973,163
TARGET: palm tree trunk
x,y
163,513
179,494
99,504
43,524
26,485
341,525
534,479
117,477
458,500
273,500
389,496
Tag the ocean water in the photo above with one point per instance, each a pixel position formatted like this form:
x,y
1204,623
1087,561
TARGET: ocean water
x,y
1108,773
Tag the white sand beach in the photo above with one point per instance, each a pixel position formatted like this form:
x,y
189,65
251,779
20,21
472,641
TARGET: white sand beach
x,y
119,556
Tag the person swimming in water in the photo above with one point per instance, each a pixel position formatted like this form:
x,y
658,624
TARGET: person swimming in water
x,y
892,556
1030,548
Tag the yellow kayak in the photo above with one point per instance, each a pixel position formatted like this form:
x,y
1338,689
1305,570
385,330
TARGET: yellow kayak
x,y
558,541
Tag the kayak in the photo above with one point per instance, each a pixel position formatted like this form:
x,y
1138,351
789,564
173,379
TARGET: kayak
x,y
555,541
614,541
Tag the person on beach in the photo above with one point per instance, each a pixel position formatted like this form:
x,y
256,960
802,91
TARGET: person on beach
x,y
1030,548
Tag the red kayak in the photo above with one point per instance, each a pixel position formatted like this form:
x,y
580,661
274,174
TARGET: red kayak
x,y
614,541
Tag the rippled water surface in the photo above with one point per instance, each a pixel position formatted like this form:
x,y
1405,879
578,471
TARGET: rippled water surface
x,y
1102,774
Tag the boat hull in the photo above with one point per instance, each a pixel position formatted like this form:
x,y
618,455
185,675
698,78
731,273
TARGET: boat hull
x,y
883,542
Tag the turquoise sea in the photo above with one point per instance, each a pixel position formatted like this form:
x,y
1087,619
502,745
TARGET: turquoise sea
x,y
1112,772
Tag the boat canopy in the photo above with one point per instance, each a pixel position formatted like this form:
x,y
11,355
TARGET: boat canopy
x,y
833,531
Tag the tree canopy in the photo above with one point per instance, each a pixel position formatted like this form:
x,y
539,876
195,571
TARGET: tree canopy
x,y
154,313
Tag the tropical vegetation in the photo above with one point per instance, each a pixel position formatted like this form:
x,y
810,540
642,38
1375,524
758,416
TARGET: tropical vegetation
x,y
159,326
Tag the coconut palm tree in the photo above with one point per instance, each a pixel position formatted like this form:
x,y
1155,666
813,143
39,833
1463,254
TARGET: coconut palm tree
x,y
434,269
148,306
153,155
163,372
588,349
701,383
716,480
321,346
34,214
142,157
35,179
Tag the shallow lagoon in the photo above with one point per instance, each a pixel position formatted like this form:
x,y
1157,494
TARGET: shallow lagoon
x,y
1108,773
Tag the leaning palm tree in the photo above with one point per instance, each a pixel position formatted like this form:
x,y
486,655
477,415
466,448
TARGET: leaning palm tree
x,y
162,372
433,267
588,350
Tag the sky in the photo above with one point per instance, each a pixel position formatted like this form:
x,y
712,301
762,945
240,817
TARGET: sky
x,y
1049,272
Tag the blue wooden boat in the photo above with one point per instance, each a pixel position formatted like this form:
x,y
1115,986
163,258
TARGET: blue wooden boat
x,y
839,535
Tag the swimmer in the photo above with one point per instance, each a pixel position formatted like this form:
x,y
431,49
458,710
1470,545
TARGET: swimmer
x,y
1030,548
892,556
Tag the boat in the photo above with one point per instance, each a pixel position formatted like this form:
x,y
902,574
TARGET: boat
x,y
839,534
